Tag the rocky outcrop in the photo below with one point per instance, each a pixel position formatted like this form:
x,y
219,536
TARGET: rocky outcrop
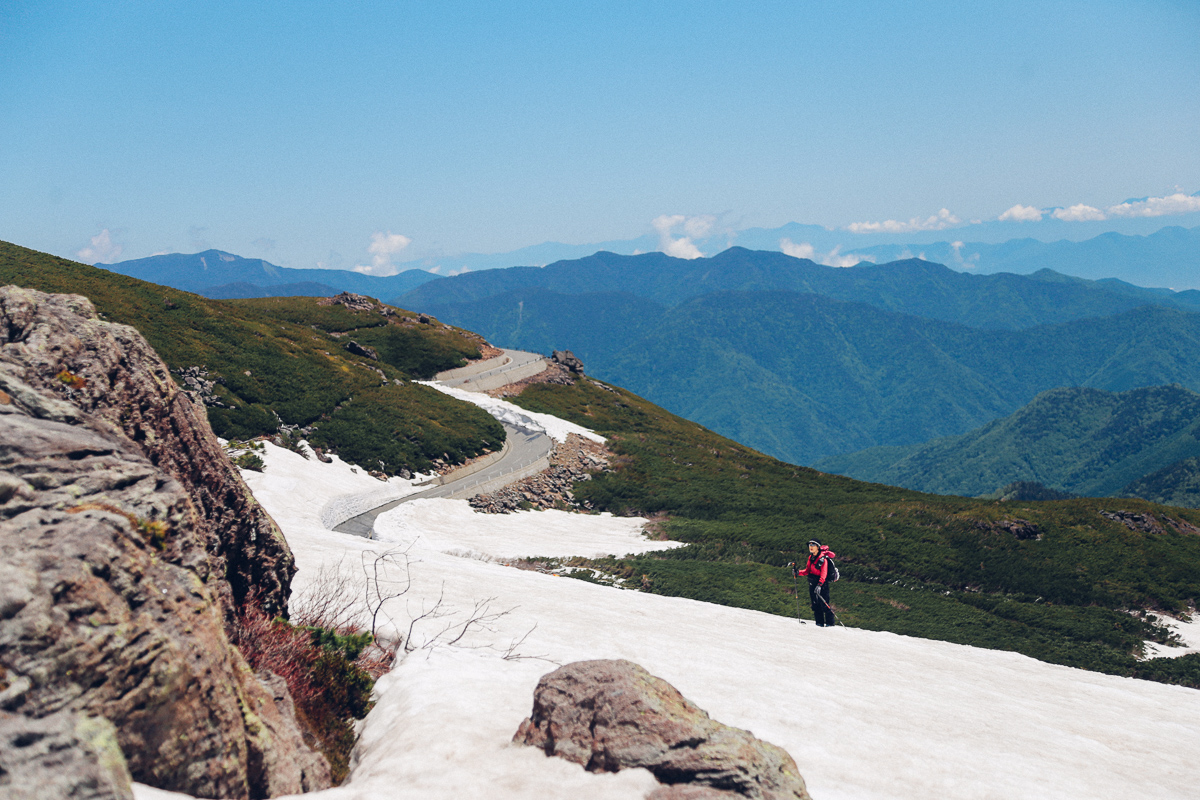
x,y
1148,523
574,460
56,344
362,350
1020,528
114,567
614,715
200,387
357,302
62,755
567,359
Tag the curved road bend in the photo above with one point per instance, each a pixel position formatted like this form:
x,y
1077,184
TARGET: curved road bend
x,y
524,447
464,377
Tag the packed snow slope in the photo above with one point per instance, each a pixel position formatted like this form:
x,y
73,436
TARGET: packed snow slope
x,y
1054,580
865,714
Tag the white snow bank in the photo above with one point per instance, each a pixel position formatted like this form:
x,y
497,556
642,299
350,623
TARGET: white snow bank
x,y
1189,634
865,714
531,421
451,526
310,493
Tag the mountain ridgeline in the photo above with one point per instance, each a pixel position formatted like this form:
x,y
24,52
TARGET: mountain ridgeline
x,y
805,362
217,274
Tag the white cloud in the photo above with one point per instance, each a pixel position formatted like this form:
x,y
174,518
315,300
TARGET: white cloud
x,y
1078,213
1178,203
682,247
833,258
939,221
1020,213
102,250
802,250
383,247
969,262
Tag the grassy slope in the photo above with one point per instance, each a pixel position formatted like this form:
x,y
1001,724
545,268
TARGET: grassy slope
x,y
1083,441
280,356
916,564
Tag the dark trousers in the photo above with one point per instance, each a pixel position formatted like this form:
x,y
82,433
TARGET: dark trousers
x,y
822,613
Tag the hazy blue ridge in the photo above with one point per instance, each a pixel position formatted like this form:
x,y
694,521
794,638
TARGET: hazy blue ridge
x,y
1001,301
1080,440
1140,255
199,272
1168,258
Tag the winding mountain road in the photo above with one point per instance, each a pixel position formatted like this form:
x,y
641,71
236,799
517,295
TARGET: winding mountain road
x,y
525,452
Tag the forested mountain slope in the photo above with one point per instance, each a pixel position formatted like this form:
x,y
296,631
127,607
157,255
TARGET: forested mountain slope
x,y
1082,441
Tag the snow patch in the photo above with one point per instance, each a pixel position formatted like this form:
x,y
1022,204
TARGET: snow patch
x,y
1188,632
529,421
311,493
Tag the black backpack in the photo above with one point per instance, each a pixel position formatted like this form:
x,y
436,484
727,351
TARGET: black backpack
x,y
832,574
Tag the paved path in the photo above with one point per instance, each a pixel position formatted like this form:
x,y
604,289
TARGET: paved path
x,y
493,373
525,449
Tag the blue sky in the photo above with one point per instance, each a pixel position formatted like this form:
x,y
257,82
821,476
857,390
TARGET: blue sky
x,y
348,134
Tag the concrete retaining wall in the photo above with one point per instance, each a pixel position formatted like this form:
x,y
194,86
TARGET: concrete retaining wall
x,y
473,369
519,372
470,469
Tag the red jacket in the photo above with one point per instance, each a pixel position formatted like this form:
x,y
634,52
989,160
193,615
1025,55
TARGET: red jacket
x,y
818,564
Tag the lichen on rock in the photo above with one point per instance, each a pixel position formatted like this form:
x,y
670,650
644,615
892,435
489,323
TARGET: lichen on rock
x,y
126,539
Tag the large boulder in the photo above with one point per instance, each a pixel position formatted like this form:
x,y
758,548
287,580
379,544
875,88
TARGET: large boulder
x,y
614,715
115,569
57,344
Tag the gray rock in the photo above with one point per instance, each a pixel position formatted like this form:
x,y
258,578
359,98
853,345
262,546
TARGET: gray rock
x,y
614,715
63,756
116,565
567,359
362,350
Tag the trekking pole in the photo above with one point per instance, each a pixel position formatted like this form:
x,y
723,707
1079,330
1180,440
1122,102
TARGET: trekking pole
x,y
796,591
831,611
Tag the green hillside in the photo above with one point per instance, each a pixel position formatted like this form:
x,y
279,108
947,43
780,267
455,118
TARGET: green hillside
x,y
283,361
1050,580
1083,441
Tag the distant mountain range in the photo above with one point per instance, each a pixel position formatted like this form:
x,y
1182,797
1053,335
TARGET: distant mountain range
x,y
217,274
1168,258
1141,443
804,361
1137,250
912,286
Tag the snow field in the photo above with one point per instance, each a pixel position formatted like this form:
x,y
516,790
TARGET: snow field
x,y
865,714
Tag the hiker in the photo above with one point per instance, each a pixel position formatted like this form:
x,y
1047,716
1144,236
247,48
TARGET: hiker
x,y
817,570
